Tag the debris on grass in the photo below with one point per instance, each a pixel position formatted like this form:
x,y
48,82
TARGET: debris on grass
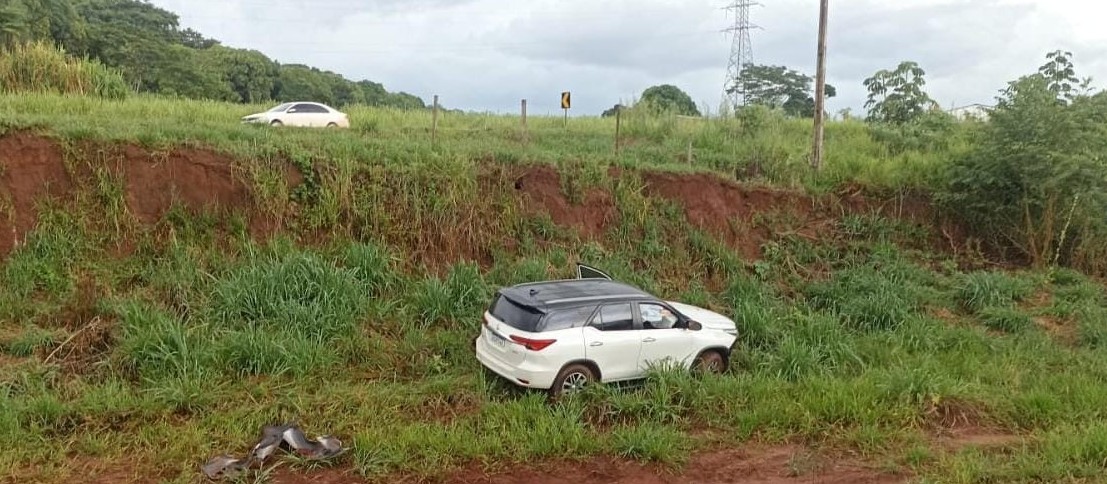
x,y
288,437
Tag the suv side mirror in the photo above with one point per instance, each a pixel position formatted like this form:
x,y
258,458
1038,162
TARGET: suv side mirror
x,y
694,325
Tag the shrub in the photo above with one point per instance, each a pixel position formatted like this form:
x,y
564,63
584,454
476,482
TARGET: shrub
x,y
1034,185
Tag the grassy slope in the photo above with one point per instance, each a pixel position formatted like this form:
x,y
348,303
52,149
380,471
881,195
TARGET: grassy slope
x,y
392,136
863,341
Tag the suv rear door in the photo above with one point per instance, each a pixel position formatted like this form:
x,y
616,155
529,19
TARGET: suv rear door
x,y
613,342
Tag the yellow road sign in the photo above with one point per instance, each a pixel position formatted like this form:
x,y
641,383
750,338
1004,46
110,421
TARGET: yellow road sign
x,y
565,100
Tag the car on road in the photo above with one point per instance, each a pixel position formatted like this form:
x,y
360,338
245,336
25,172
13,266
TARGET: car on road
x,y
562,335
304,114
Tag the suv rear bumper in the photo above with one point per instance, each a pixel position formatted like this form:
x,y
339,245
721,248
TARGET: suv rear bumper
x,y
522,375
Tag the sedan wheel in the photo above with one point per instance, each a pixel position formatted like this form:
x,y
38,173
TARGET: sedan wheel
x,y
276,122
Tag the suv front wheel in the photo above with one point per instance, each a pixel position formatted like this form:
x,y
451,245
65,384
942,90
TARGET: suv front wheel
x,y
710,361
572,379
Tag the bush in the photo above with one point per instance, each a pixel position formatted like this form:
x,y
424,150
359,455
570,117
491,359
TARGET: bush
x,y
1035,184
41,67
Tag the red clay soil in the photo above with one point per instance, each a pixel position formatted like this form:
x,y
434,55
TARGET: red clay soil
x,y
31,171
321,476
761,465
592,217
196,179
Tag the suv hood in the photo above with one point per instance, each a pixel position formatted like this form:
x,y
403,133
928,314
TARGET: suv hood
x,y
709,319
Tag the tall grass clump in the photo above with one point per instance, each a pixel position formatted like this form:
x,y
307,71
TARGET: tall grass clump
x,y
299,294
871,296
285,315
43,68
978,290
461,295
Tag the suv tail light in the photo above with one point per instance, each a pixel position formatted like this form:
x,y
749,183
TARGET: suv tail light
x,y
533,344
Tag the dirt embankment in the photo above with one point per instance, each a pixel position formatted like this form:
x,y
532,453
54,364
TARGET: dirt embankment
x,y
34,170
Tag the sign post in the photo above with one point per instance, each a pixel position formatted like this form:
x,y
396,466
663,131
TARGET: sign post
x,y
566,103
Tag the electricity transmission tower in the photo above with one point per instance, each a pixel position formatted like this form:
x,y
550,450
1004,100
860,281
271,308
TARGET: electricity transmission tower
x,y
741,49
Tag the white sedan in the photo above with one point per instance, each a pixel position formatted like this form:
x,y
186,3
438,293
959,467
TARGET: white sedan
x,y
304,114
562,335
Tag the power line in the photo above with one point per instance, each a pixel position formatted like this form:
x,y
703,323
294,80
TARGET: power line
x,y
741,49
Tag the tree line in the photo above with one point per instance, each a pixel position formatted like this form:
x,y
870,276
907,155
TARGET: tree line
x,y
154,54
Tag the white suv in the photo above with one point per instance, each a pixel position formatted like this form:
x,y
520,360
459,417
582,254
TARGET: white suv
x,y
562,335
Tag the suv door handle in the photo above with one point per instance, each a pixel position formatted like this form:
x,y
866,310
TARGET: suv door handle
x,y
596,343
649,340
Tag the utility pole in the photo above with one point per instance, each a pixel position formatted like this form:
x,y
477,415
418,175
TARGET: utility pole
x,y
820,89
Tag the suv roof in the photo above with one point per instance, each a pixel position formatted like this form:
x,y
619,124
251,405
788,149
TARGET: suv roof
x,y
548,295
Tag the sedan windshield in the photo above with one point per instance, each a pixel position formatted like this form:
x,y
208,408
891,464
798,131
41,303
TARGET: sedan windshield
x,y
281,108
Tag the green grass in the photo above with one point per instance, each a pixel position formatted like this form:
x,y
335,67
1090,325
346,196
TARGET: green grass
x,y
859,340
341,340
778,146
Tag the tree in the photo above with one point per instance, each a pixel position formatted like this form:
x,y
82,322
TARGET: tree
x,y
1060,76
897,97
778,87
669,98
1036,182
249,73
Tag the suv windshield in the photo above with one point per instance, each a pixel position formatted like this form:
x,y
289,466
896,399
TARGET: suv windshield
x,y
519,317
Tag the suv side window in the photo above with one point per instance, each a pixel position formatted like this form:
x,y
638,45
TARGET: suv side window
x,y
567,319
657,316
616,317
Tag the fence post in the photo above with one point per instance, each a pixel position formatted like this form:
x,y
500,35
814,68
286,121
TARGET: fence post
x,y
618,122
689,152
524,103
434,121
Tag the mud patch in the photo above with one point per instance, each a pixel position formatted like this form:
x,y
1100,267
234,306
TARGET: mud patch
x,y
764,465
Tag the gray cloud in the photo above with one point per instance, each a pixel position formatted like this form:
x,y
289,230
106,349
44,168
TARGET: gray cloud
x,y
487,54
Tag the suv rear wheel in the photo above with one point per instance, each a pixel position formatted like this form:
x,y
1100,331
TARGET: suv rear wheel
x,y
572,379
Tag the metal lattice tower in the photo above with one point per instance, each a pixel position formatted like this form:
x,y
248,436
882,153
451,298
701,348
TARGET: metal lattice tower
x,y
741,48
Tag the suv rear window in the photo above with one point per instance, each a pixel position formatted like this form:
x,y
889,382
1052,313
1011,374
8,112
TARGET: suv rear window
x,y
519,317
567,318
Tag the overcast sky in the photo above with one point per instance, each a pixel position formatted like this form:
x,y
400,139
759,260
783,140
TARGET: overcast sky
x,y
486,55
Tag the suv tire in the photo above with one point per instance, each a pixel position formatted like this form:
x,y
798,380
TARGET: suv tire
x,y
572,379
710,361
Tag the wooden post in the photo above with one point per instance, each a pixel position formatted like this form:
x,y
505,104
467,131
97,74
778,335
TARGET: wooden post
x,y
689,152
618,122
820,89
434,121
524,114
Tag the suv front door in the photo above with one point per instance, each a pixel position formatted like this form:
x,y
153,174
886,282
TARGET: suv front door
x,y
612,341
664,339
